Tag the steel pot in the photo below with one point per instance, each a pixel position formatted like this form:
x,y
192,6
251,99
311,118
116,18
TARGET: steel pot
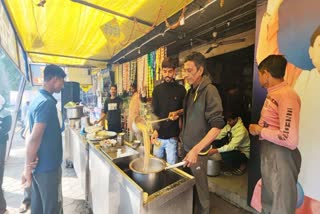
x,y
213,167
152,180
149,181
74,112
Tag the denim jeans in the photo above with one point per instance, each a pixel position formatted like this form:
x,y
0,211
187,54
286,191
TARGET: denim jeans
x,y
169,146
46,194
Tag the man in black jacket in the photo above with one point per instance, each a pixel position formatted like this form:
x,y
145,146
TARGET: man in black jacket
x,y
5,125
202,122
167,97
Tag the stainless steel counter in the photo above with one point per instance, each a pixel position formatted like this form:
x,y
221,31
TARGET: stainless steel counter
x,y
109,187
78,153
79,150
114,191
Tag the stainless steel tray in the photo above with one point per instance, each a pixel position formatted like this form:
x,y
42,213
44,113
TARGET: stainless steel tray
x,y
113,154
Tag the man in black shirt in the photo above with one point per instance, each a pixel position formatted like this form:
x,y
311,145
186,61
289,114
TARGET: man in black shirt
x,y
112,109
167,97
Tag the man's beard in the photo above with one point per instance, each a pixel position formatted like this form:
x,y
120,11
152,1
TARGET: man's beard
x,y
168,79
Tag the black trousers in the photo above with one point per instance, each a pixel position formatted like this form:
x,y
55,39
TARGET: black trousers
x,y
232,158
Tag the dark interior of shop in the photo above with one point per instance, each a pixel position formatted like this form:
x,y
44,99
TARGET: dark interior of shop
x,y
233,72
232,75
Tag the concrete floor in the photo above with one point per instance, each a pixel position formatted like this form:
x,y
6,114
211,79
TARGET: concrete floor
x,y
233,183
220,206
232,188
73,197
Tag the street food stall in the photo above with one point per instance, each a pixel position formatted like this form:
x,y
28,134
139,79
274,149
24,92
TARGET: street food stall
x,y
99,43
102,163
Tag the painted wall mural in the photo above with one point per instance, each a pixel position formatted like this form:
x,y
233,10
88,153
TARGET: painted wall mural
x,y
296,35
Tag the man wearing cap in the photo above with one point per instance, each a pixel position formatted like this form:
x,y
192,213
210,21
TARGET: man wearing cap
x,y
45,144
5,125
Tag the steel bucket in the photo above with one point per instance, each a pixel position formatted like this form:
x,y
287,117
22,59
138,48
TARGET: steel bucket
x,y
213,167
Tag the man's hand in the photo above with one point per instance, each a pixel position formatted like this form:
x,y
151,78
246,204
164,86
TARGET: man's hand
x,y
212,151
273,6
26,178
173,115
192,157
26,175
255,129
154,137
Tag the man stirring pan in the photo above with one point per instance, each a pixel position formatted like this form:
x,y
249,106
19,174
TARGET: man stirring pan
x,y
202,122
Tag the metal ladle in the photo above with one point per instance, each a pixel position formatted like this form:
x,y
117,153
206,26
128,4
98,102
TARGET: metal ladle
x,y
182,163
158,121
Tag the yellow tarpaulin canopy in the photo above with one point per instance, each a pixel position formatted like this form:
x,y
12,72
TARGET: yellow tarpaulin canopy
x,y
79,32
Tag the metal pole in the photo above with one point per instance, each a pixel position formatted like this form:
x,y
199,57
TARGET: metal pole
x,y
15,114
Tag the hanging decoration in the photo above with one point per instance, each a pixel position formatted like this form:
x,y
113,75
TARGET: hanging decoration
x,y
161,53
125,77
151,72
120,83
146,72
155,23
180,20
140,72
115,68
133,71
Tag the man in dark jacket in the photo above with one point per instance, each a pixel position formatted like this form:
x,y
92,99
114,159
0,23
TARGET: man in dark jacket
x,y
5,125
202,122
